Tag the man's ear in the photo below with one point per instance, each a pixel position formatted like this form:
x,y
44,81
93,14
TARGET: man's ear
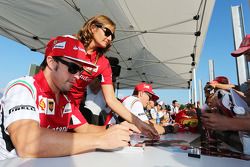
x,y
140,93
51,63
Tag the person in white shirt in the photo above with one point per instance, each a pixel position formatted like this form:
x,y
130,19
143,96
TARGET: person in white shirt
x,y
174,108
158,108
136,103
94,103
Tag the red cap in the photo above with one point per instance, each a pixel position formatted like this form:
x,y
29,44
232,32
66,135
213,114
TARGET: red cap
x,y
244,47
146,88
221,80
68,46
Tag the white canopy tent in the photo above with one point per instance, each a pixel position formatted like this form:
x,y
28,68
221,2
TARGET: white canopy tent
x,y
157,41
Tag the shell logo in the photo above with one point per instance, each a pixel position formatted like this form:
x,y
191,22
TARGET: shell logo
x,y
42,104
192,122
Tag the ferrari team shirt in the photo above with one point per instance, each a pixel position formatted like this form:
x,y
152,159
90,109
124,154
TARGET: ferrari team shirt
x,y
103,68
31,98
134,105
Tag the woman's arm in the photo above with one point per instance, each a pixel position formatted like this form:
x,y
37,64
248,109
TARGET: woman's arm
x,y
120,109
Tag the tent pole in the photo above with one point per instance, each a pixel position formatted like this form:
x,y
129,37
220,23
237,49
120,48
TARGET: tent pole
x,y
239,34
194,87
200,92
211,69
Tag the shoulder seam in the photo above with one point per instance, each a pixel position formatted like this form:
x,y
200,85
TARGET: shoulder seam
x,y
22,83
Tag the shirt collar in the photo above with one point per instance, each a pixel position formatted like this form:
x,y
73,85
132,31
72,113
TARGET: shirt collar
x,y
42,82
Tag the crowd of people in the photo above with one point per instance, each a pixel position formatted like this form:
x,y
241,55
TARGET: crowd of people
x,y
221,111
72,98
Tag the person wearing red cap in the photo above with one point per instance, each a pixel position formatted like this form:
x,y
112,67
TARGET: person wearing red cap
x,y
39,117
211,93
138,102
97,35
146,88
244,47
220,82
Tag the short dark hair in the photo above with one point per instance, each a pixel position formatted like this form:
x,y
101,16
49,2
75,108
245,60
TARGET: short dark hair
x,y
168,108
43,64
174,101
135,92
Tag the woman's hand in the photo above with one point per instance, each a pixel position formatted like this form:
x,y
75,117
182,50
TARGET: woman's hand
x,y
147,129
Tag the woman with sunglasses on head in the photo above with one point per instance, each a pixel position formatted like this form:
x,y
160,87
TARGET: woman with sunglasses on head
x,y
97,35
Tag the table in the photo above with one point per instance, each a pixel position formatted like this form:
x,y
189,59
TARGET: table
x,y
187,136
150,157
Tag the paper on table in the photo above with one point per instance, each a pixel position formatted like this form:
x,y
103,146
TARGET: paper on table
x,y
130,149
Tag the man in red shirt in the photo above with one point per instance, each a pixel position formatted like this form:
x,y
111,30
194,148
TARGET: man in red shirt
x,y
39,117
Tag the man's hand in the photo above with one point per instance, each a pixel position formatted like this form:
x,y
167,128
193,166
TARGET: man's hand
x,y
114,137
215,121
132,127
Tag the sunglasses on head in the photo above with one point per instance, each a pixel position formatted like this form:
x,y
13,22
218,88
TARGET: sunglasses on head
x,y
72,67
107,31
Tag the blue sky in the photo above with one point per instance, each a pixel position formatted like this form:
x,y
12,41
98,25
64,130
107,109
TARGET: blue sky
x,y
16,59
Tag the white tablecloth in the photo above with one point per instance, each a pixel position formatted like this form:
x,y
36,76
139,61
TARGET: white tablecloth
x,y
150,157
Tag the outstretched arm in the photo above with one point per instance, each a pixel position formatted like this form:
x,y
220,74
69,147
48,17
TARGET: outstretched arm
x,y
121,110
217,121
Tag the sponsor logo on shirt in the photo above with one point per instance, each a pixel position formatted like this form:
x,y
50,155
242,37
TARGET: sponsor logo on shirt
x,y
85,78
51,107
60,45
46,105
61,129
22,107
67,109
140,114
42,104
92,69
